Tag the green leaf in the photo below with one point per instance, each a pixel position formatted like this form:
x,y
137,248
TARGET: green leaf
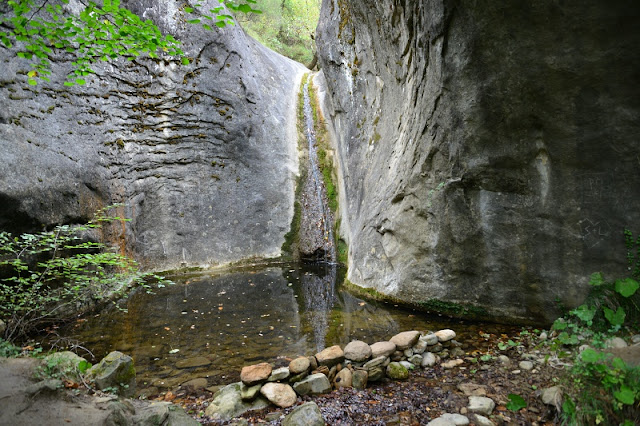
x,y
185,61
615,318
80,81
32,82
625,395
585,313
590,355
516,402
596,279
627,287
188,9
193,21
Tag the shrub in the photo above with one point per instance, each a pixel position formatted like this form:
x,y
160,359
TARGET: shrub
x,y
45,276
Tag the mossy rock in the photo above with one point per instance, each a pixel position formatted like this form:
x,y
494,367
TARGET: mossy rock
x,y
62,365
115,372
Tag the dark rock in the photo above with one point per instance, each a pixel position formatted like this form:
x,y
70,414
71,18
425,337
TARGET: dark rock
x,y
488,150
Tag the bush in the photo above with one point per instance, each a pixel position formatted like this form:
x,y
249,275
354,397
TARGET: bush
x,y
46,275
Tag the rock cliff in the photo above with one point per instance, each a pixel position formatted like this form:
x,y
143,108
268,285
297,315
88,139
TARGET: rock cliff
x,y
488,151
204,156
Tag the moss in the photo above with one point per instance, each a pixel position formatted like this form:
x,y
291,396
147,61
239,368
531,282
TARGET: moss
x,y
291,237
342,251
435,306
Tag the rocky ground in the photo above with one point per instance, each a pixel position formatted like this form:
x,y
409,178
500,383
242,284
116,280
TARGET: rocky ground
x,y
429,393
508,364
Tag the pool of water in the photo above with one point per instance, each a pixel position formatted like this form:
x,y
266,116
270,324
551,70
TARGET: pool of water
x,y
211,325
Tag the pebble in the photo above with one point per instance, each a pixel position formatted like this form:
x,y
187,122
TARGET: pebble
x,y
526,365
452,364
481,405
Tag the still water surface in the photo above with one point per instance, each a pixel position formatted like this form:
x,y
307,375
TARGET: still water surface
x,y
210,325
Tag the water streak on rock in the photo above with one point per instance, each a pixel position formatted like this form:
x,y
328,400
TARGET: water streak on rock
x,y
316,233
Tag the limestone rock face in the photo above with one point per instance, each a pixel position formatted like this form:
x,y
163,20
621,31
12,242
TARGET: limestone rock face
x,y
204,156
487,151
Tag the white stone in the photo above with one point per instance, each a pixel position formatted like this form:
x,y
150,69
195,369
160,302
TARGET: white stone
x,y
449,419
526,365
445,335
615,343
481,405
279,394
428,360
482,421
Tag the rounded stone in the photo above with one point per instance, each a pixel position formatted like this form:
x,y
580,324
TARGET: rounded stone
x,y
525,365
299,365
343,379
330,356
382,349
254,374
397,371
445,335
279,394
428,360
357,351
405,340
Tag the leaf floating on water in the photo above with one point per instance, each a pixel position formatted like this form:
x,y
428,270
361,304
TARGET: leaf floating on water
x,y
174,351
167,328
265,315
362,303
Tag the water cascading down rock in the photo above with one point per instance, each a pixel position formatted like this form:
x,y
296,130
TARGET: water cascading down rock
x,y
316,223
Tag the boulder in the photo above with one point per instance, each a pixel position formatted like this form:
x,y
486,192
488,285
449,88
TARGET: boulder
x,y
227,403
405,340
445,335
330,356
397,371
253,374
382,349
307,414
315,384
249,393
279,374
114,371
64,365
299,365
428,360
359,379
279,394
357,351
343,379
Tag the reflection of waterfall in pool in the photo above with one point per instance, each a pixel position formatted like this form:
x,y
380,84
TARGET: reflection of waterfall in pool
x,y
316,233
318,288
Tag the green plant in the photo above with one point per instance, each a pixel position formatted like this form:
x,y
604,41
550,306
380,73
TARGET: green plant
x,y
604,389
8,349
44,275
100,32
516,402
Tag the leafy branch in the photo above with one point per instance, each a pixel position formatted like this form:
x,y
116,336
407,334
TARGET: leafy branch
x,y
43,28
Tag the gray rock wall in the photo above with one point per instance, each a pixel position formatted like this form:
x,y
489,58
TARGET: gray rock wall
x,y
488,151
204,156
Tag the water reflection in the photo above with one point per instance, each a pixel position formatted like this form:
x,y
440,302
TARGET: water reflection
x,y
211,325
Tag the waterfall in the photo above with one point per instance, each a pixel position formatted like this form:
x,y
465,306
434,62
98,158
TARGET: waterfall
x,y
316,227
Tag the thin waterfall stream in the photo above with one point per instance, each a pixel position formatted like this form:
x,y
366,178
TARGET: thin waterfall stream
x,y
316,227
